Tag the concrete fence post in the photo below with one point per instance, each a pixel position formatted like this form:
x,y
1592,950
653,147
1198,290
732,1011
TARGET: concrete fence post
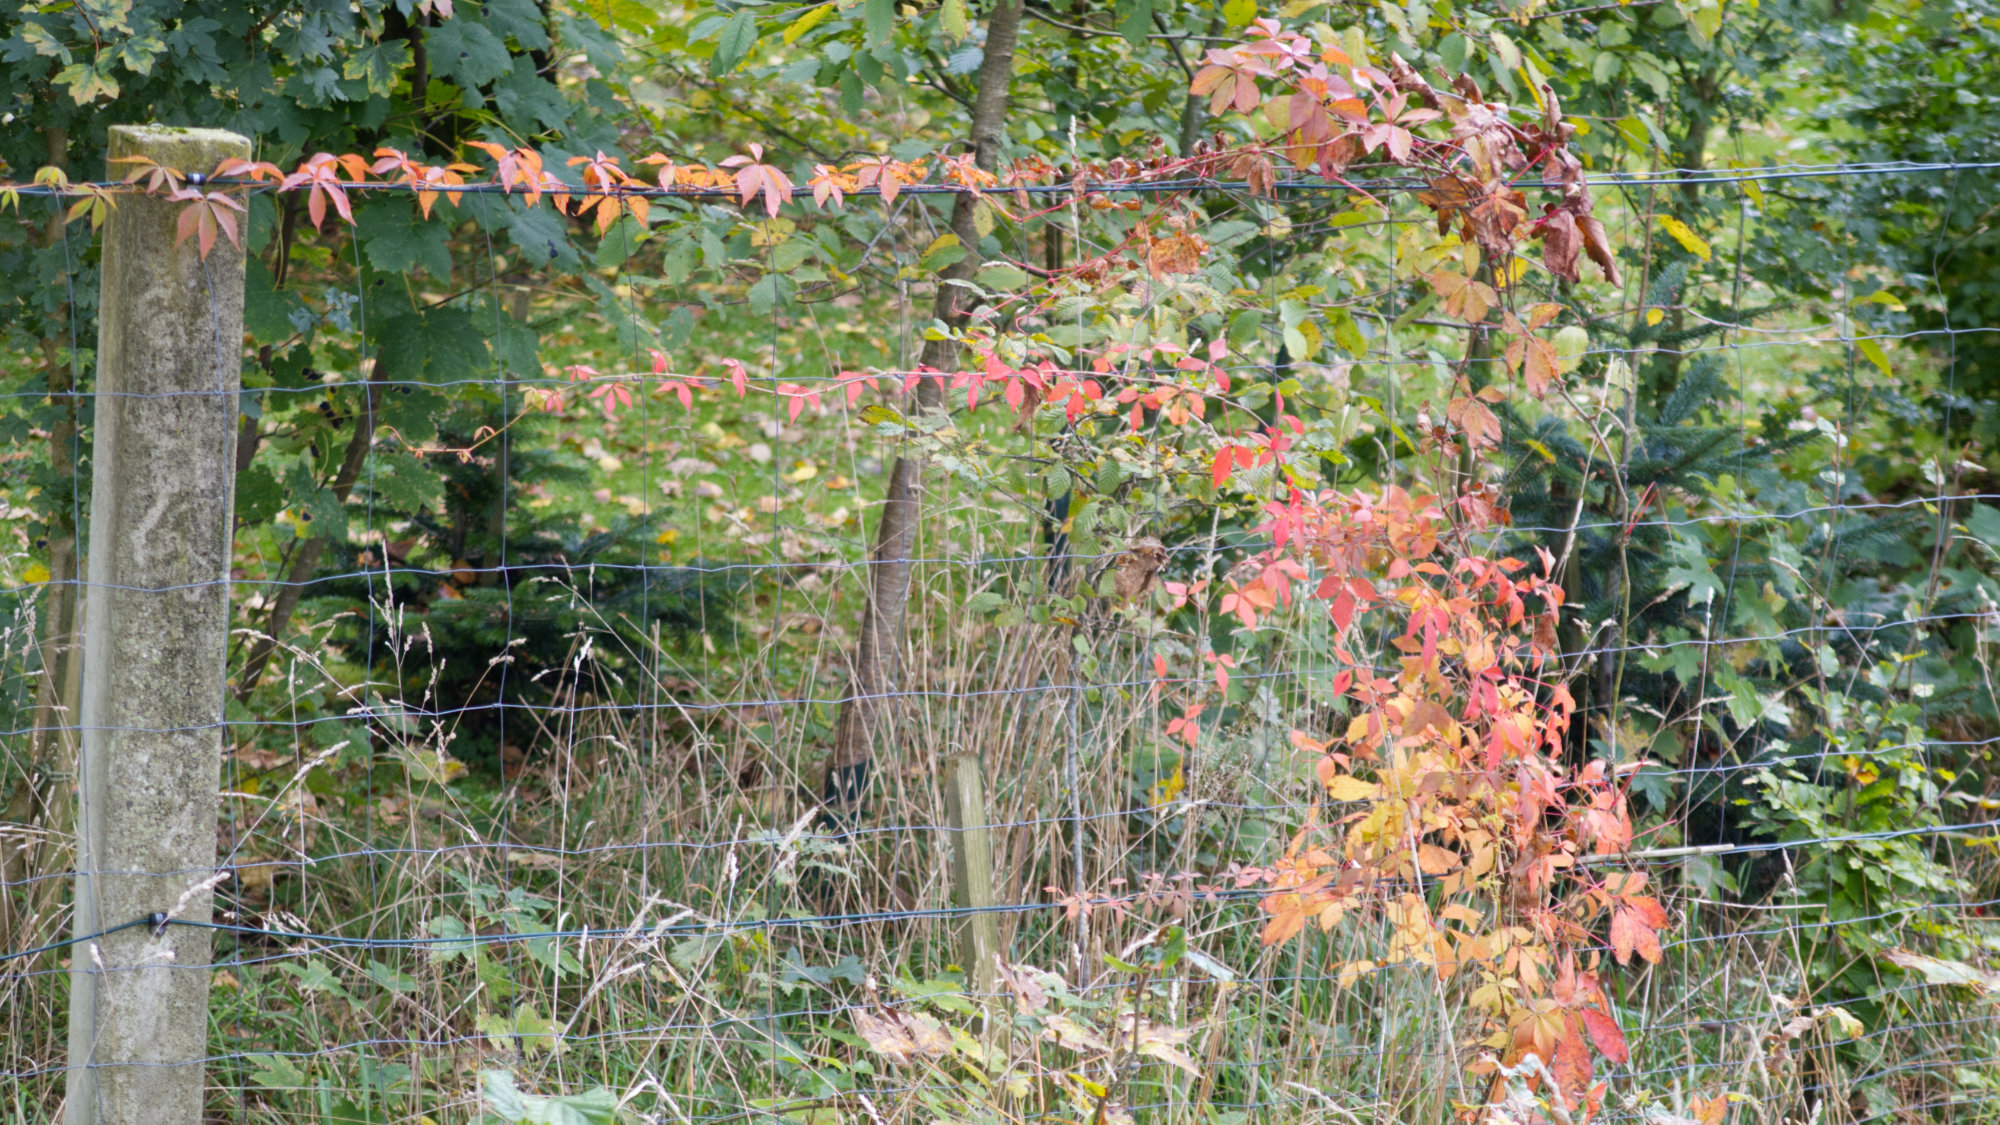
x,y
156,627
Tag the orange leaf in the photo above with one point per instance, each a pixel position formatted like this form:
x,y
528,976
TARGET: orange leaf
x,y
1604,1032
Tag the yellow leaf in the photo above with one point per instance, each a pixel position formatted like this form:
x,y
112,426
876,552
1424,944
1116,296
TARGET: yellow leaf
x,y
1345,788
813,18
1655,316
1434,860
1875,354
35,575
1459,912
1686,236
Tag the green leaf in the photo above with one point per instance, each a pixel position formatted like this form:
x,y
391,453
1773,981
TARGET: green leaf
x,y
258,495
377,66
401,483
738,36
267,310
879,16
952,17
943,251
526,1030
398,239
276,1072
520,20
542,236
791,254
1690,572
1136,22
525,96
597,1106
1003,277
466,51
1239,13
1347,333
313,976
1452,53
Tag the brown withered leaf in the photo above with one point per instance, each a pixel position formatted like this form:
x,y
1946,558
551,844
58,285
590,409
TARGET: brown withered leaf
x,y
1560,243
1336,155
1449,197
1139,567
1545,632
1406,81
1258,174
1476,419
1026,984
1161,1042
1495,218
1177,253
1542,367
902,1037
1068,1033
1597,244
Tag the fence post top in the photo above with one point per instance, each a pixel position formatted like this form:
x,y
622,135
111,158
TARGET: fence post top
x,y
193,148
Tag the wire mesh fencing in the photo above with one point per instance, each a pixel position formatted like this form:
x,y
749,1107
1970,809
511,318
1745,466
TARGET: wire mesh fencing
x,y
548,588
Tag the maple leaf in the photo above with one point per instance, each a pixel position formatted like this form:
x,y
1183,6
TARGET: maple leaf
x,y
885,173
1464,297
831,183
158,177
1481,425
1228,80
204,215
517,168
1635,922
754,177
320,175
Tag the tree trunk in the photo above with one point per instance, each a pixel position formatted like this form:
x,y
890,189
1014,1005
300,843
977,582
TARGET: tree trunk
x,y
877,653
306,559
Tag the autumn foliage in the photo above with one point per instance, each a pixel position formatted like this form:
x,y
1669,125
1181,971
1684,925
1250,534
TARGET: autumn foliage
x,y
1453,809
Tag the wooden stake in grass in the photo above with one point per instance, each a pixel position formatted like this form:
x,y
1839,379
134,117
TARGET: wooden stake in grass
x,y
972,873
156,630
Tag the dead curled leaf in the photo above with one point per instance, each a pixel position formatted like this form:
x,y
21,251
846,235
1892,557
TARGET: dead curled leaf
x,y
1068,1033
1139,567
1026,985
1163,1043
902,1037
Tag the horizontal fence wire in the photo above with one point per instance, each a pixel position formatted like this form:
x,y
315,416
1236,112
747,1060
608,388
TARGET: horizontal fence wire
x,y
642,880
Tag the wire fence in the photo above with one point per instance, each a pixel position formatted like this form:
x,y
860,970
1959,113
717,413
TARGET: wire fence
x,y
527,797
